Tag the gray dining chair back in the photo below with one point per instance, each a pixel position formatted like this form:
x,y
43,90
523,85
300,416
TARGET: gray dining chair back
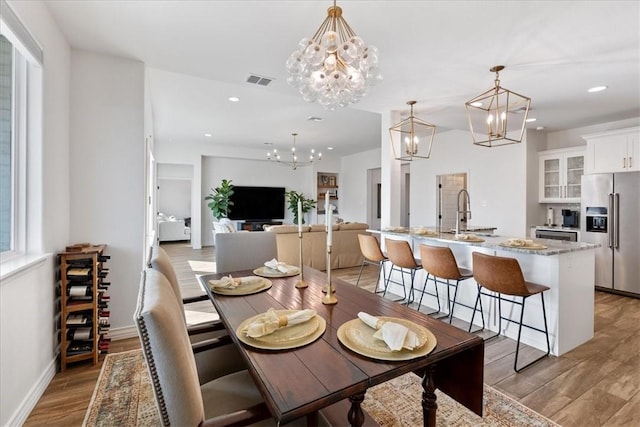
x,y
159,260
244,250
167,351
181,400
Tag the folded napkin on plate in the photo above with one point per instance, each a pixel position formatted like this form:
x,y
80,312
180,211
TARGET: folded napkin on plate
x,y
466,236
270,321
518,242
226,282
396,336
274,264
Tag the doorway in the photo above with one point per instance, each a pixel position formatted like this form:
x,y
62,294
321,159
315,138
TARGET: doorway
x,y
448,188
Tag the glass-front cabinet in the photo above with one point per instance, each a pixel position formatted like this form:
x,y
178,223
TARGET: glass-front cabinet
x,y
560,175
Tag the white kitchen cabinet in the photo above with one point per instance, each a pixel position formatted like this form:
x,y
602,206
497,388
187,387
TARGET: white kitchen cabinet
x,y
560,175
614,151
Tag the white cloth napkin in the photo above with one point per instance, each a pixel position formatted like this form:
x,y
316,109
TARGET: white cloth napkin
x,y
466,236
274,264
396,336
226,282
269,322
518,242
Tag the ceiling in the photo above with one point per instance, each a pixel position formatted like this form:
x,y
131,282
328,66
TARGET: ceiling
x,y
199,53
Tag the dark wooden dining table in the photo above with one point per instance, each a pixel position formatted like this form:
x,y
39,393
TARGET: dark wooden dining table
x,y
302,381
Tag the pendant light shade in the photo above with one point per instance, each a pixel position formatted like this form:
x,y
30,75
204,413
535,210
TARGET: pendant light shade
x,y
412,137
498,116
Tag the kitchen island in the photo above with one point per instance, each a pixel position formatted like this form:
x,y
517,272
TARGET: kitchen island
x,y
567,268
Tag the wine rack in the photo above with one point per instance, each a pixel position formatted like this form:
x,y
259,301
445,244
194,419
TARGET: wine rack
x,y
84,304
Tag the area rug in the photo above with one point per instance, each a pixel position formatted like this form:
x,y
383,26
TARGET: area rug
x,y
123,397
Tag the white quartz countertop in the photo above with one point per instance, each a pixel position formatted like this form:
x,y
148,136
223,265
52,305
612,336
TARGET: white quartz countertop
x,y
551,247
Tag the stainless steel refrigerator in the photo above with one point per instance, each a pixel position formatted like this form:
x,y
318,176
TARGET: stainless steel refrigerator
x,y
610,211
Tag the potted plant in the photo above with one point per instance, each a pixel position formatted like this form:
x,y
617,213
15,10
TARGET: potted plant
x,y
307,204
219,200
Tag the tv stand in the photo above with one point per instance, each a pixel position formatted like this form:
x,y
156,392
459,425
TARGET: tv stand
x,y
256,225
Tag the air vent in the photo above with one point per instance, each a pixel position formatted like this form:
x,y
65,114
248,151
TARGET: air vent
x,y
259,80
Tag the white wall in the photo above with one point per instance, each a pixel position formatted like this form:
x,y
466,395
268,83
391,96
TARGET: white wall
x,y
353,184
260,173
573,137
27,325
107,171
496,182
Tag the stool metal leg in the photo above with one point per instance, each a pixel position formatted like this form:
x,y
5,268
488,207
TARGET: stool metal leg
x,y
546,334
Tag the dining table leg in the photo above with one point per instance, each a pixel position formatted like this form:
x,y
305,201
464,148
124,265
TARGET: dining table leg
x,y
429,404
355,415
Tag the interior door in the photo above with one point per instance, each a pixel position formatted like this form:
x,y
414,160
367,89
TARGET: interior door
x,y
449,186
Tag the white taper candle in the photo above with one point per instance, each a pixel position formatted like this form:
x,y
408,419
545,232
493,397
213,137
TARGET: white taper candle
x,y
299,217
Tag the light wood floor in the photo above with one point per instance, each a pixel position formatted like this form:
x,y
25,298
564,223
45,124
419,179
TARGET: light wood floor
x,y
597,384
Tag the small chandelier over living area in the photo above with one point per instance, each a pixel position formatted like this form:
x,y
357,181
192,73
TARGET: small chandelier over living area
x,y
295,161
334,67
412,137
498,116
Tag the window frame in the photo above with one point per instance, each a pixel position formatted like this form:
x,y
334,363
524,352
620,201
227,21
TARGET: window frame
x,y
26,63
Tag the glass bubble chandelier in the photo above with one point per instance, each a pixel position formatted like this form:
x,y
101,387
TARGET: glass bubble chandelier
x,y
295,161
334,67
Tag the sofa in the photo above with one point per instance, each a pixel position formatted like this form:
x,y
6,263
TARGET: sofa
x,y
172,229
345,248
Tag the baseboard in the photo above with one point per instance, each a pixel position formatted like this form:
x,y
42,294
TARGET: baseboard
x,y
123,333
21,414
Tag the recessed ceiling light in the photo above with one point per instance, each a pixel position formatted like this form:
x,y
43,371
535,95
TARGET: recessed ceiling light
x,y
476,104
540,128
208,135
315,119
531,119
234,99
597,89
329,148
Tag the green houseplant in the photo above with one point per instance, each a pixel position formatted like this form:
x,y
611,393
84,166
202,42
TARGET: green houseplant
x,y
292,198
219,200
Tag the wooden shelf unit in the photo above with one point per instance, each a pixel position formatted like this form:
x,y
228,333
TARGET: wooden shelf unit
x,y
327,182
83,327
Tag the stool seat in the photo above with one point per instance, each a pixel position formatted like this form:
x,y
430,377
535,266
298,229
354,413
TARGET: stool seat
x,y
533,289
503,276
402,259
373,255
441,266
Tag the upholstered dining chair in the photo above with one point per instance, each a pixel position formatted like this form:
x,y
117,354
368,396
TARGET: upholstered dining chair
x,y
226,398
372,255
503,276
441,266
402,259
244,251
197,322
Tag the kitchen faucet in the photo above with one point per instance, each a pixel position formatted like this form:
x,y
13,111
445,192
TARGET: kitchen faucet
x,y
467,211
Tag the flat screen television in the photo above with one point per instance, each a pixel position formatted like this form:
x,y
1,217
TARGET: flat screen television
x,y
257,203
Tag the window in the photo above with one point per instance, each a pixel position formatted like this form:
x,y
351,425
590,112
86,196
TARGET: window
x,y
20,131
7,151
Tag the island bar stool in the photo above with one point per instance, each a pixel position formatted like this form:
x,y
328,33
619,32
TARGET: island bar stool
x,y
372,254
402,260
440,264
504,277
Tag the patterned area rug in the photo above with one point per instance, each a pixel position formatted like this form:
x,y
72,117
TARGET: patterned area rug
x,y
123,397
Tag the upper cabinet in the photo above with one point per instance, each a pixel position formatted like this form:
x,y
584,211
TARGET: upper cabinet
x,y
560,175
614,151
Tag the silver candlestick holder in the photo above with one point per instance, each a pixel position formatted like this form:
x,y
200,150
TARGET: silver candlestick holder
x,y
329,297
